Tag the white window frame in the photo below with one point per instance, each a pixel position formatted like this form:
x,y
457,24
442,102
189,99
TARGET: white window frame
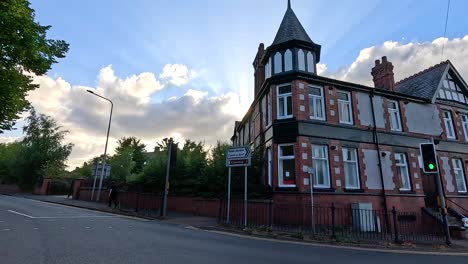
x,y
324,148
348,103
285,102
448,122
280,165
458,168
316,98
353,162
396,113
464,118
403,167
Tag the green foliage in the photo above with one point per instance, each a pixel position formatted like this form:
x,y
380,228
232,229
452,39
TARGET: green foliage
x,y
137,151
42,153
9,153
24,48
122,166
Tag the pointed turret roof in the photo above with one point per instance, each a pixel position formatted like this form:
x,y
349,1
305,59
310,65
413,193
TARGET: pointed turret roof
x,y
291,29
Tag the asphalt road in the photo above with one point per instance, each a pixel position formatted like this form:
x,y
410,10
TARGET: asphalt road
x,y
37,232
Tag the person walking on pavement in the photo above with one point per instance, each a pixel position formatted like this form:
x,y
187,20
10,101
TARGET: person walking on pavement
x,y
113,193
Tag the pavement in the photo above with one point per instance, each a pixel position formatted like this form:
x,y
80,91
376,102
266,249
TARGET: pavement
x,y
34,231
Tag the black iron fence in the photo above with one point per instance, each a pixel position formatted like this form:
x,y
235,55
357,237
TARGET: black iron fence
x,y
334,222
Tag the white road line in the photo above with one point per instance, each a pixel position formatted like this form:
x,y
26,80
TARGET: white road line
x,y
28,216
35,228
6,229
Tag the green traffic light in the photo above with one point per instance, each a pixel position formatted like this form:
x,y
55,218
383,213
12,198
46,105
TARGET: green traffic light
x,y
431,166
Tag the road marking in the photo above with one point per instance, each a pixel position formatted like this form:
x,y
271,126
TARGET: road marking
x,y
61,217
62,227
28,216
109,227
6,229
87,227
35,228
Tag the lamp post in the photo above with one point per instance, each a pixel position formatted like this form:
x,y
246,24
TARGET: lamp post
x,y
105,150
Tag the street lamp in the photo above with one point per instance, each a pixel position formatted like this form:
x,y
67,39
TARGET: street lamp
x,y
103,162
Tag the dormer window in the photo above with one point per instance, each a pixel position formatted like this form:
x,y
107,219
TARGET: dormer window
x,y
278,66
288,65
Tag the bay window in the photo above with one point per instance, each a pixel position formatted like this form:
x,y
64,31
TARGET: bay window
x,y
288,60
278,66
301,60
310,62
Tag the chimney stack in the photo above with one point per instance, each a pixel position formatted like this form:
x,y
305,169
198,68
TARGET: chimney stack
x,y
259,69
382,74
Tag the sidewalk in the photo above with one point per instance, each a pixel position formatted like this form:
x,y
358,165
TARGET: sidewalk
x,y
172,217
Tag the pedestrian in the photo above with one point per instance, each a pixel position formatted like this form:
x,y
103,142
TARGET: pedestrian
x,y
113,196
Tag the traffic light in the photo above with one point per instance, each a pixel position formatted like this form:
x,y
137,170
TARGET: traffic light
x,y
429,158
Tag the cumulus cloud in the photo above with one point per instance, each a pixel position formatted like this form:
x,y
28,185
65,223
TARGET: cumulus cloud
x,y
192,114
407,58
177,74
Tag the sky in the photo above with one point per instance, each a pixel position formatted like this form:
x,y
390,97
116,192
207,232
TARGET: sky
x,y
183,68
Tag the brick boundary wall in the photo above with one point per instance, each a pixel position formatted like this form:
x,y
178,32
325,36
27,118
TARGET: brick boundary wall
x,y
9,188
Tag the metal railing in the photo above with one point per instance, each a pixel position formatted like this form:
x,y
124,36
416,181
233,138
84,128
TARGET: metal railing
x,y
331,221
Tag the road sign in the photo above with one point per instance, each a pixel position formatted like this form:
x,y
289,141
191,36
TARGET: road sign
x,y
96,170
238,157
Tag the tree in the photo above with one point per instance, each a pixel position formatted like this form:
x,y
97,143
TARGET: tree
x,y
9,153
121,166
43,154
24,49
137,150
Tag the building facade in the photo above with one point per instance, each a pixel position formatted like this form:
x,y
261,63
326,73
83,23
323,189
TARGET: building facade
x,y
362,142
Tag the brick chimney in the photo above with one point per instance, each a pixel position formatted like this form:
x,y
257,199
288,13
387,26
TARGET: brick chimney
x,y
382,74
259,69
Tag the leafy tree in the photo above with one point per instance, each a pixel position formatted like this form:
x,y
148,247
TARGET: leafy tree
x,y
43,154
24,49
191,164
137,151
9,153
213,182
121,166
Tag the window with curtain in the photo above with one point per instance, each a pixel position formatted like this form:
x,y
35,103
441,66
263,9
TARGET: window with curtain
x,y
351,171
345,107
394,112
402,170
320,164
459,175
316,103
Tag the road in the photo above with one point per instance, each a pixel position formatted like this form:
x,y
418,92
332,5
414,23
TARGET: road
x,y
38,232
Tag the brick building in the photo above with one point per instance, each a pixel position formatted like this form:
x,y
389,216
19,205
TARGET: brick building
x,y
345,130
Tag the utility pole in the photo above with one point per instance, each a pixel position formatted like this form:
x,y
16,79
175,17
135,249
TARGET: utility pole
x,y
166,182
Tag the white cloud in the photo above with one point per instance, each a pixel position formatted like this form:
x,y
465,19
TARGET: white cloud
x,y
193,115
177,74
407,59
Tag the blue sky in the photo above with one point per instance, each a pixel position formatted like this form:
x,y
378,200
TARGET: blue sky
x,y
221,37
183,68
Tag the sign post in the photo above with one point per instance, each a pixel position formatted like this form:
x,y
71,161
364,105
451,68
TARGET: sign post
x,y
237,157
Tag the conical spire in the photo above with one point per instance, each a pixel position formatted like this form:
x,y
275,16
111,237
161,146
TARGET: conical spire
x,y
291,28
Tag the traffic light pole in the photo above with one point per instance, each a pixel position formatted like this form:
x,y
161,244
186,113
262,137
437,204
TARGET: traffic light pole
x,y
443,209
